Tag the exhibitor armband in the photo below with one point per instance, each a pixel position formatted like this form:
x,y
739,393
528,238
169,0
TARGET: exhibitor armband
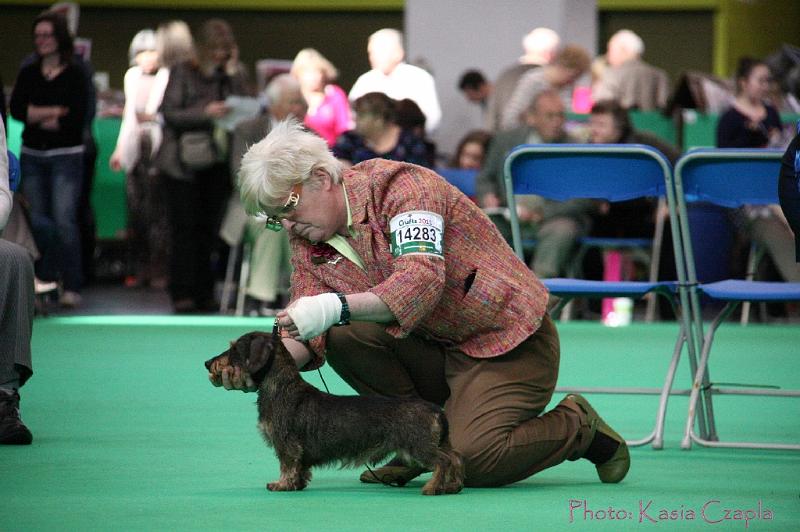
x,y
417,233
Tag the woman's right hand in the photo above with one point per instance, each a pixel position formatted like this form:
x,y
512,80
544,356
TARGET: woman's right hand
x,y
216,109
115,162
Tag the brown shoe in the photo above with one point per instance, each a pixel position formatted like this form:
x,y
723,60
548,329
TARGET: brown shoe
x,y
615,468
12,430
395,473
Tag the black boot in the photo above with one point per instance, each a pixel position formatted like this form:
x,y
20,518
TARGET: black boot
x,y
12,430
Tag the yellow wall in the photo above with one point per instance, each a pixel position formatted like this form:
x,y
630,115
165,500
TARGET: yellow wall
x,y
294,5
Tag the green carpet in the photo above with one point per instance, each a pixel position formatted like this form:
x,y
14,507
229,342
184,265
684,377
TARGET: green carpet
x,y
129,435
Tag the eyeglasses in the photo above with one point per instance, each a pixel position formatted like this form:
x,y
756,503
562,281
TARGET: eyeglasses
x,y
275,222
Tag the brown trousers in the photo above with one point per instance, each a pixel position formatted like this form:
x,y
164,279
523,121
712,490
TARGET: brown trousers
x,y
494,405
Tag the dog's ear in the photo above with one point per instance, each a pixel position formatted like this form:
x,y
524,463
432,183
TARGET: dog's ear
x,y
258,359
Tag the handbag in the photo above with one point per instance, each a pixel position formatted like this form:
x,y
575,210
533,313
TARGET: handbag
x,y
197,150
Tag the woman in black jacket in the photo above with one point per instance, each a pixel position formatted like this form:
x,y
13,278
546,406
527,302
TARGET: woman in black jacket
x,y
194,161
50,97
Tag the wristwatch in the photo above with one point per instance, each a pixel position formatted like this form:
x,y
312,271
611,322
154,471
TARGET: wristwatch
x,y
344,318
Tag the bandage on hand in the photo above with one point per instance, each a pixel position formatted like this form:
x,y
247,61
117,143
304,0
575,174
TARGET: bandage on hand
x,y
314,315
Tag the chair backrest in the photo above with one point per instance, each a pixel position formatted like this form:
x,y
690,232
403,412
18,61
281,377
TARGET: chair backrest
x,y
14,173
729,177
463,180
613,172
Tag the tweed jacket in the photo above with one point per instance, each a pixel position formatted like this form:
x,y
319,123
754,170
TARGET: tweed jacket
x,y
479,298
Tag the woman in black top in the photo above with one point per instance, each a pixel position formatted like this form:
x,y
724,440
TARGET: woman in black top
x,y
750,122
50,98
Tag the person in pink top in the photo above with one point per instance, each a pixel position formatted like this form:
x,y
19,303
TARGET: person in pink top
x,y
328,108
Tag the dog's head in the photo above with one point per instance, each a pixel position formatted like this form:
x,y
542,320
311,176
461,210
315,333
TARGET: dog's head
x,y
252,352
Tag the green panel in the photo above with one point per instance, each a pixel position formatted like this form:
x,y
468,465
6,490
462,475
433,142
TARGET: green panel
x,y
656,123
108,193
700,129
14,135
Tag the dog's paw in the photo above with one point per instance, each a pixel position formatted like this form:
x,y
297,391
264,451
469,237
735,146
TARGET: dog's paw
x,y
282,485
432,488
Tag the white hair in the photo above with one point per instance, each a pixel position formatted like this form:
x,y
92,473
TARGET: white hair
x,y
541,44
278,86
143,41
629,41
288,155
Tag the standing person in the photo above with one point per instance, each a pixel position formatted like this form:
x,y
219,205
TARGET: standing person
x,y
628,79
377,134
539,47
451,316
397,79
50,98
328,109
138,141
569,64
16,318
194,161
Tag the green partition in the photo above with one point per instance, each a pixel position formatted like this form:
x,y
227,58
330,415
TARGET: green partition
x,y
657,124
700,129
108,193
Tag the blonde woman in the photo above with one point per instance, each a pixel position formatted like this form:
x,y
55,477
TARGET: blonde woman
x,y
328,109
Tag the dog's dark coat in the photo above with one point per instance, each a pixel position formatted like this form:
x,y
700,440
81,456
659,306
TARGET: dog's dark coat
x,y
307,427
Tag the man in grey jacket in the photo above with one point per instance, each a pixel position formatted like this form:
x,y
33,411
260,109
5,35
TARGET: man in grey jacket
x,y
16,318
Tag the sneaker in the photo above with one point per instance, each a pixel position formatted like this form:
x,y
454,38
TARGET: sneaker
x,y
43,287
615,468
12,430
395,472
70,299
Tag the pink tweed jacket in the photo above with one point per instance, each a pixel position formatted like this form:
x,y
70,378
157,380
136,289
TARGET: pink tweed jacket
x,y
480,298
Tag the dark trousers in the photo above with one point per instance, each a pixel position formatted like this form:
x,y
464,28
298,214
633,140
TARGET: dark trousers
x,y
195,212
495,406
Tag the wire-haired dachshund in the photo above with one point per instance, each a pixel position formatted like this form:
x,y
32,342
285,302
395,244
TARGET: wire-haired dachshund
x,y
307,427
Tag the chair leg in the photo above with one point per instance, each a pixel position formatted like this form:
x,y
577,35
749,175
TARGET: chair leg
x,y
702,384
753,259
658,438
227,286
244,276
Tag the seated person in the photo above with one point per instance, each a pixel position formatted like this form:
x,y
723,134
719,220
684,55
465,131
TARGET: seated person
x,y
378,135
16,318
556,226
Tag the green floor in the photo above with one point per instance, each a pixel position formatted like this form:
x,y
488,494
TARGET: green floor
x,y
129,435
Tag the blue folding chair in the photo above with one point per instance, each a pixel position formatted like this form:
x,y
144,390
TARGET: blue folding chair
x,y
14,173
609,172
462,179
728,178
